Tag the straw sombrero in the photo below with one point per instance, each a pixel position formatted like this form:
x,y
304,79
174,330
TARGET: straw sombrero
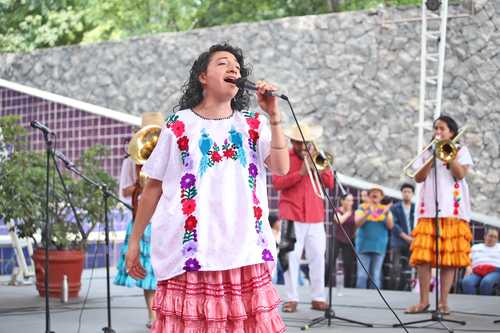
x,y
151,118
376,188
311,132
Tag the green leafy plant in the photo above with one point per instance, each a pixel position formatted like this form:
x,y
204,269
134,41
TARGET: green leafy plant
x,y
22,192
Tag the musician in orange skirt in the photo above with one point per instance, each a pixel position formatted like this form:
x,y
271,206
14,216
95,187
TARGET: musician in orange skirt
x,y
453,219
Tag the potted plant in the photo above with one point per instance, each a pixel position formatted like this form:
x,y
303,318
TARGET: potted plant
x,y
22,201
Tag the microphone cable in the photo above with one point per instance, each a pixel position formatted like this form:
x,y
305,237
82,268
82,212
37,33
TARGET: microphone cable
x,y
336,218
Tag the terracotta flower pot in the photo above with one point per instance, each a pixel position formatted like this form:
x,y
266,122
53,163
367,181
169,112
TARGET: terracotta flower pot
x,y
61,262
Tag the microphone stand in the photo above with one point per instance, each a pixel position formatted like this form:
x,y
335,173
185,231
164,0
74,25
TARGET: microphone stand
x,y
436,315
329,312
68,197
105,195
46,231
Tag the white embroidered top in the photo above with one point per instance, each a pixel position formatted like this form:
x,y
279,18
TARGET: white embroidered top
x,y
212,214
453,195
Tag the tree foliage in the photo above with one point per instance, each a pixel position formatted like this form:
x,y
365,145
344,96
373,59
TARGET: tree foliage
x,y
26,25
22,191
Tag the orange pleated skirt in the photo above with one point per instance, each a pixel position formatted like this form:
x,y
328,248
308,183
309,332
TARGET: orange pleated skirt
x,y
454,242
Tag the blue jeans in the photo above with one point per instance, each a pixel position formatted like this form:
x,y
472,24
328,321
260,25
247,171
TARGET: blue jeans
x,y
486,283
373,263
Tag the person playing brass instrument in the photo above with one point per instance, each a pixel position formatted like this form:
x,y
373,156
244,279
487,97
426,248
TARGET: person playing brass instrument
x,y
301,206
130,190
454,216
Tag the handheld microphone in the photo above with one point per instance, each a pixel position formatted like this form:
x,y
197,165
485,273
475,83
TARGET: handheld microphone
x,y
63,158
40,126
245,84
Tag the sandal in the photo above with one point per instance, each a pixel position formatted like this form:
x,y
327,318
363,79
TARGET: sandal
x,y
319,305
417,308
290,307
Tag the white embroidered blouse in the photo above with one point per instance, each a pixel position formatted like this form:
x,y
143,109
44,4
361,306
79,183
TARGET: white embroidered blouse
x,y
453,195
212,214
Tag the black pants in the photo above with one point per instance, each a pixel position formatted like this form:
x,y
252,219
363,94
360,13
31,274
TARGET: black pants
x,y
400,257
349,263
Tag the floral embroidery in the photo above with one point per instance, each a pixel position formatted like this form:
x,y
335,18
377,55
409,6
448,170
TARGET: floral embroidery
x,y
267,256
189,248
188,195
232,149
262,241
252,119
254,123
215,156
456,198
183,143
229,150
188,164
190,223
422,208
191,265
252,170
187,181
188,206
177,128
257,212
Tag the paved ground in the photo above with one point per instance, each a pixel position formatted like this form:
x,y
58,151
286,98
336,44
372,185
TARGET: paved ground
x,y
21,310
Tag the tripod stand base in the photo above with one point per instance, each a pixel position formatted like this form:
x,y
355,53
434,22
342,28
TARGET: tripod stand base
x,y
436,316
108,330
330,315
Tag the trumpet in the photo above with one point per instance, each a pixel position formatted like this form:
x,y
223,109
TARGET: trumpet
x,y
446,150
321,160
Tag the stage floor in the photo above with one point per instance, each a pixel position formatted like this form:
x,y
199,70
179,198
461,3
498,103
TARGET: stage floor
x,y
21,310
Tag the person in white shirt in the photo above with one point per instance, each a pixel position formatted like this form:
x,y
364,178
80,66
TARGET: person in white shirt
x,y
213,250
453,218
484,273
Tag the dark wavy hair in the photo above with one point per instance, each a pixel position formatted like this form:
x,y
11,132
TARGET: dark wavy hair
x,y
192,90
450,122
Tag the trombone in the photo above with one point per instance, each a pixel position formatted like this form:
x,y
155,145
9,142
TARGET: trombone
x,y
321,160
446,150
